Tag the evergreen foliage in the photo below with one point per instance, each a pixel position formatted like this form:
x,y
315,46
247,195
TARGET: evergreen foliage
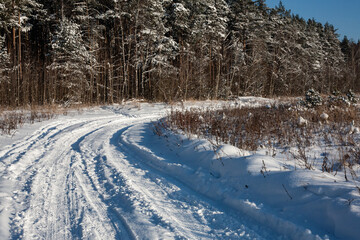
x,y
351,96
97,51
4,63
312,98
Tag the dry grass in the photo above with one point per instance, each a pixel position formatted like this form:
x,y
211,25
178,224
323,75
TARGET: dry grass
x,y
13,118
281,126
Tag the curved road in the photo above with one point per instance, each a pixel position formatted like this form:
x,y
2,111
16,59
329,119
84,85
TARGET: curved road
x,y
78,179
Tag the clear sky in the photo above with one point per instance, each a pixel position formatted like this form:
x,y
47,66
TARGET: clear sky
x,y
343,14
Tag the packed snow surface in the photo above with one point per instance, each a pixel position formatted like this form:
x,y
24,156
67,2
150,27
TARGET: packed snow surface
x,y
105,174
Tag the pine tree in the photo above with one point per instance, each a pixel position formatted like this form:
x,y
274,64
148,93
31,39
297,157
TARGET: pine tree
x,y
155,50
85,14
72,62
210,29
4,71
5,16
345,47
15,19
178,23
333,60
160,49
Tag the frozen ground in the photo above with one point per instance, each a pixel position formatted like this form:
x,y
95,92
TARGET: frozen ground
x,y
104,174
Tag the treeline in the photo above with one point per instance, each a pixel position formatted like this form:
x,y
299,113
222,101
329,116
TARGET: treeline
x,y
104,51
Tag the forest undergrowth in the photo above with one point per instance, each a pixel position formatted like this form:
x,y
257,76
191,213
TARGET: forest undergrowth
x,y
13,118
322,136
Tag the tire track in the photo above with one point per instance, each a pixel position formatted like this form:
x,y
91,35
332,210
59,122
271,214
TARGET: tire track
x,y
52,197
171,204
81,180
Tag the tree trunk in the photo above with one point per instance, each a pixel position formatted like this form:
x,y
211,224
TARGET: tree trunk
x,y
19,62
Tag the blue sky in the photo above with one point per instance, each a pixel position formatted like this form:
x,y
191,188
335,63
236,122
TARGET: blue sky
x,y
343,14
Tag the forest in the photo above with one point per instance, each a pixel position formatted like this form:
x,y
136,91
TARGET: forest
x,y
107,51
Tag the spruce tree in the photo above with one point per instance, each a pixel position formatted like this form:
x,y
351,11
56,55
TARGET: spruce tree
x,y
71,62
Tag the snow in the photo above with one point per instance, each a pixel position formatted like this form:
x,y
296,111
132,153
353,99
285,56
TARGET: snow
x,y
179,8
104,174
324,116
302,121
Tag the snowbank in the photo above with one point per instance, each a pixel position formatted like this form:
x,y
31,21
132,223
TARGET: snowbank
x,y
297,203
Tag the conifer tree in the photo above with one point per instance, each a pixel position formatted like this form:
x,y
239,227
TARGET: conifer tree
x,y
72,62
4,71
165,50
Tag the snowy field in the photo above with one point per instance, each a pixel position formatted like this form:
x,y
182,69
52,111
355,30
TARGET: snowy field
x,y
105,174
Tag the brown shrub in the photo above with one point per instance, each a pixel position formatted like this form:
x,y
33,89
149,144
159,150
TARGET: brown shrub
x,y
277,126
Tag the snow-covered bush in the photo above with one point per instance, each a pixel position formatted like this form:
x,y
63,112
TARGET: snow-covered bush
x,y
351,96
337,100
312,98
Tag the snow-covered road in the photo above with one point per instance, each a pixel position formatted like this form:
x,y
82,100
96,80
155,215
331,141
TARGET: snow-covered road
x,y
79,178
106,174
